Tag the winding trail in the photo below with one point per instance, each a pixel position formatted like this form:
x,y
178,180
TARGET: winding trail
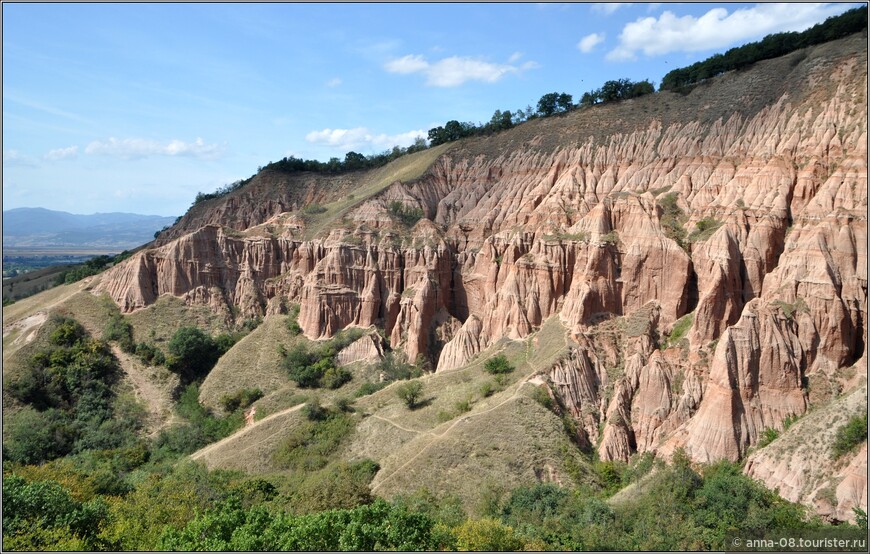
x,y
245,430
460,420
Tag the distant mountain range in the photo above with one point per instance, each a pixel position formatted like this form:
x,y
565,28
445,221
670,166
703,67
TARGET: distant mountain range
x,y
42,228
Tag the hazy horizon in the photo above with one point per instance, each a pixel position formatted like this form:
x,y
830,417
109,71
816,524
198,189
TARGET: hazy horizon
x,y
137,107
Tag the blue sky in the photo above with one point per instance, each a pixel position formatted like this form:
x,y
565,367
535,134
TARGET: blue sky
x,y
137,107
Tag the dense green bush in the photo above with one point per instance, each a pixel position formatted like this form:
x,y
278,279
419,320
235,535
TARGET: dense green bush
x,y
319,368
241,399
410,393
68,389
850,435
119,330
498,365
193,353
39,515
150,354
372,527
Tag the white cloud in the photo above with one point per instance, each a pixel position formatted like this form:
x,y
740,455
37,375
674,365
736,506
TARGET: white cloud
x,y
62,153
715,29
407,64
14,158
456,70
608,8
588,43
361,138
334,82
133,148
515,57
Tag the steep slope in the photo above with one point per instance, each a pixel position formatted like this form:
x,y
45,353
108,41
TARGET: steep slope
x,y
743,203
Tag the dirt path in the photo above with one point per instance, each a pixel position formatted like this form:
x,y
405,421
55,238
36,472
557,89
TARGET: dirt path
x,y
394,424
199,454
459,421
158,400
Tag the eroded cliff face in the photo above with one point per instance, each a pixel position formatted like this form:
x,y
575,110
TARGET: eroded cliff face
x,y
574,217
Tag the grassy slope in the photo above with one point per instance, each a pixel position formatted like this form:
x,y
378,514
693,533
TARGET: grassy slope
x,y
253,362
439,446
407,168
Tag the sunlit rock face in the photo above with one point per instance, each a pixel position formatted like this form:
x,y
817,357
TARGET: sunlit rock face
x,y
573,217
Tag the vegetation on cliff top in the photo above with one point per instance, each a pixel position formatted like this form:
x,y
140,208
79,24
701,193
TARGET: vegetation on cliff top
x,y
771,46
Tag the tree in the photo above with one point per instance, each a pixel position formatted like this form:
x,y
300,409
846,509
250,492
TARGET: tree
x,y
193,353
437,136
553,103
498,364
410,393
564,103
354,160
589,98
487,534
501,120
547,105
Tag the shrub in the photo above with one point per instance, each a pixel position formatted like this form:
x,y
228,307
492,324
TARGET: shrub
x,y
790,309
672,219
369,388
410,393
704,229
394,366
611,238
542,397
344,404
35,437
310,445
193,353
850,435
767,436
118,329
498,365
314,411
293,321
408,216
33,513
335,377
240,399
487,534
150,354
319,368
681,327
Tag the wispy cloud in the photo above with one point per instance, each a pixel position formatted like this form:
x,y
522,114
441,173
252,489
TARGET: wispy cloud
x,y
62,153
456,70
135,148
715,29
44,108
362,138
589,42
334,82
607,8
14,158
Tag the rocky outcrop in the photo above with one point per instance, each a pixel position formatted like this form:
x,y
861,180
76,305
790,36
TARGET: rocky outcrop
x,y
801,466
743,203
368,348
755,383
